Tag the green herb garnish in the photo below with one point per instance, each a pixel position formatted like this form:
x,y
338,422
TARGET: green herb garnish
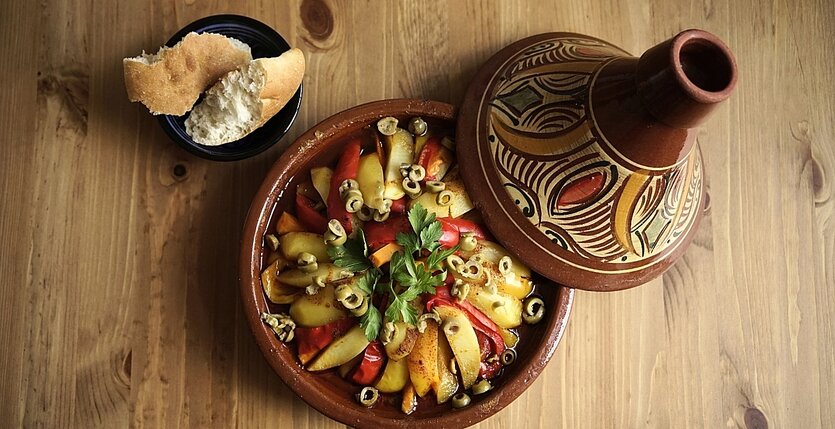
x,y
416,278
406,275
353,255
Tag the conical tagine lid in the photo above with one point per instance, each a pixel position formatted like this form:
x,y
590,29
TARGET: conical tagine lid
x,y
582,158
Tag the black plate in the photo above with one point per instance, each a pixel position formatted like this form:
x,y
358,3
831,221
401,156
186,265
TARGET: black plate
x,y
265,42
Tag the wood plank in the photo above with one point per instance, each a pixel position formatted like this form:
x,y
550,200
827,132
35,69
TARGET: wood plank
x,y
119,298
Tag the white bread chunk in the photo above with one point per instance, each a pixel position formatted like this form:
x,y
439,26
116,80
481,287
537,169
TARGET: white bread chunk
x,y
245,99
170,81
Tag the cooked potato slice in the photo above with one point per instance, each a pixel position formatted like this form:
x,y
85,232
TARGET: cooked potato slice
x,y
317,310
461,203
341,350
429,201
400,149
370,179
321,178
409,402
493,252
395,376
300,278
463,341
447,381
294,243
423,360
275,290
504,310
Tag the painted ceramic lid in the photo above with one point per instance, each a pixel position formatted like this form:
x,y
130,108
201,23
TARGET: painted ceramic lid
x,y
568,168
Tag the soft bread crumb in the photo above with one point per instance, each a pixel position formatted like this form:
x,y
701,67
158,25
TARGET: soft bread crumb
x,y
245,99
228,108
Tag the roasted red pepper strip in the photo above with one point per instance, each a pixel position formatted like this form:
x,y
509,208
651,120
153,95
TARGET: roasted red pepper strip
x,y
311,340
429,155
450,236
399,206
480,321
378,234
346,168
311,219
370,366
452,229
491,369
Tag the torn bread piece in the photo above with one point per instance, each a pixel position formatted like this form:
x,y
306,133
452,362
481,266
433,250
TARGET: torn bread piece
x,y
170,81
245,99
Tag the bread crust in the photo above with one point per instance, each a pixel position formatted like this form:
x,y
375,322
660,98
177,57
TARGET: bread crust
x,y
172,84
268,85
283,75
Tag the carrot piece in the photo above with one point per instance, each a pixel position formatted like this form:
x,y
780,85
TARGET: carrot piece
x,y
383,256
288,223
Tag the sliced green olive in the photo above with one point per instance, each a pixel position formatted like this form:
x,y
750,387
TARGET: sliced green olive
x,y
460,290
425,318
508,357
334,240
282,324
368,396
365,213
481,387
460,400
362,309
534,310
381,217
405,169
411,187
468,242
444,198
417,173
342,292
385,207
387,126
490,285
307,262
387,333
454,261
352,301
470,270
417,126
435,186
272,241
353,202
312,289
335,235
505,265
348,185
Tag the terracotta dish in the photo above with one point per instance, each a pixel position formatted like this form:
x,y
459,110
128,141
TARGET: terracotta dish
x,y
327,392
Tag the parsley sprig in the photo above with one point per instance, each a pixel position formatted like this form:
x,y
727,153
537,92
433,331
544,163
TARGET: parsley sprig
x,y
353,255
413,277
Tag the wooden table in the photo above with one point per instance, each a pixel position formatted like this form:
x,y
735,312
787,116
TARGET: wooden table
x,y
119,304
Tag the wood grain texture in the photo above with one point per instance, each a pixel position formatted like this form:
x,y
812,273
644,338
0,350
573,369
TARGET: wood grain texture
x,y
119,301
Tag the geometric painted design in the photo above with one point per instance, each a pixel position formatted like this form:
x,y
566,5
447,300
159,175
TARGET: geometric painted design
x,y
555,165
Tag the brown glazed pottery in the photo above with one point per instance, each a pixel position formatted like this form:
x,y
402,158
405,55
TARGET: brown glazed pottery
x,y
585,156
327,392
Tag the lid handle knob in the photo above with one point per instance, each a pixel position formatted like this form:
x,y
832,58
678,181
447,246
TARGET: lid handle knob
x,y
682,79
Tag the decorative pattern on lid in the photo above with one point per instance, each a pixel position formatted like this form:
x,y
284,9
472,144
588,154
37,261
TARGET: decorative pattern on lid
x,y
553,164
584,215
